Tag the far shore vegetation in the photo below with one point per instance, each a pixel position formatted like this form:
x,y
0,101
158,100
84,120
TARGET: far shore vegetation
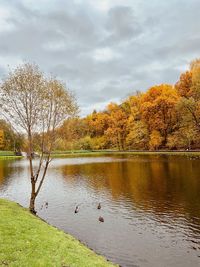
x,y
165,117
84,153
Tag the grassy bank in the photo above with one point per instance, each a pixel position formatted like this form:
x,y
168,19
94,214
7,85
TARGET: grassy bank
x,y
81,153
26,240
114,152
8,155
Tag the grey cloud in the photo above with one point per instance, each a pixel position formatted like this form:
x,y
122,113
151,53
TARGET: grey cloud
x,y
122,25
2,71
149,42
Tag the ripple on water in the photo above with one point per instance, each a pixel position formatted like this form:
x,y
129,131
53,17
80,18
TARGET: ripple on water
x,y
147,204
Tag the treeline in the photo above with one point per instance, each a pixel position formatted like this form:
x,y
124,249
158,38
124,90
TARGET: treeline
x,y
164,117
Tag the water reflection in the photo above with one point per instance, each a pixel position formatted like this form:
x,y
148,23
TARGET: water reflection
x,y
161,185
151,205
6,172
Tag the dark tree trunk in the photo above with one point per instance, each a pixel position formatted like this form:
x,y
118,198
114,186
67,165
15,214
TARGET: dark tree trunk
x,y
33,197
32,204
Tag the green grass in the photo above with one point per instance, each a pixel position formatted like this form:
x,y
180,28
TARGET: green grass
x,y
8,155
81,153
26,240
70,151
115,152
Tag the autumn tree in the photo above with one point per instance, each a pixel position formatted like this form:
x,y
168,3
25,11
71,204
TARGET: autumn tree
x,y
156,140
184,85
97,123
70,132
159,110
36,105
184,137
13,140
188,87
137,131
1,139
138,135
117,129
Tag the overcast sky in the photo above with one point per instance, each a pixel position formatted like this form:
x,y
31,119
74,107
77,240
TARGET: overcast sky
x,y
104,50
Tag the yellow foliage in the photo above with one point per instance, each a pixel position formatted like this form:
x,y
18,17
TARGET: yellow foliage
x,y
2,141
155,140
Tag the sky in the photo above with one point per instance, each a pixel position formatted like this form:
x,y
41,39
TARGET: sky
x,y
104,50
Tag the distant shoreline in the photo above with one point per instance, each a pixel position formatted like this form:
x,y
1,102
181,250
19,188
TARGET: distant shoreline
x,y
71,153
127,152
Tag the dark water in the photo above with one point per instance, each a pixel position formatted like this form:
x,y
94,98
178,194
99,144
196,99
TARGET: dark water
x,y
150,204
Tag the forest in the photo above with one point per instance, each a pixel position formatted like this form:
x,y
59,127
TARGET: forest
x,y
164,117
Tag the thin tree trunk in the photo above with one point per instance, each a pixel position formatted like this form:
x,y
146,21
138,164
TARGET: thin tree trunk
x,y
33,182
118,141
33,197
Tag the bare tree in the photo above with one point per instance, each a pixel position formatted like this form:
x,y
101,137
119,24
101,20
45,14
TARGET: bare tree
x,y
36,106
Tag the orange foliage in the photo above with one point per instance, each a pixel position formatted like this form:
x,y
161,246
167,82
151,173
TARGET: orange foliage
x,y
165,116
183,86
159,109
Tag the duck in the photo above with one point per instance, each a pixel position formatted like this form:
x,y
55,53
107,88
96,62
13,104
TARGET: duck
x,y
101,219
46,204
76,209
99,206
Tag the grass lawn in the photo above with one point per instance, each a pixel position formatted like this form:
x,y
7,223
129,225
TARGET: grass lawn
x,y
8,155
26,240
81,153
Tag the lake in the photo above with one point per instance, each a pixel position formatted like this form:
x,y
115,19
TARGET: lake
x,y
150,205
